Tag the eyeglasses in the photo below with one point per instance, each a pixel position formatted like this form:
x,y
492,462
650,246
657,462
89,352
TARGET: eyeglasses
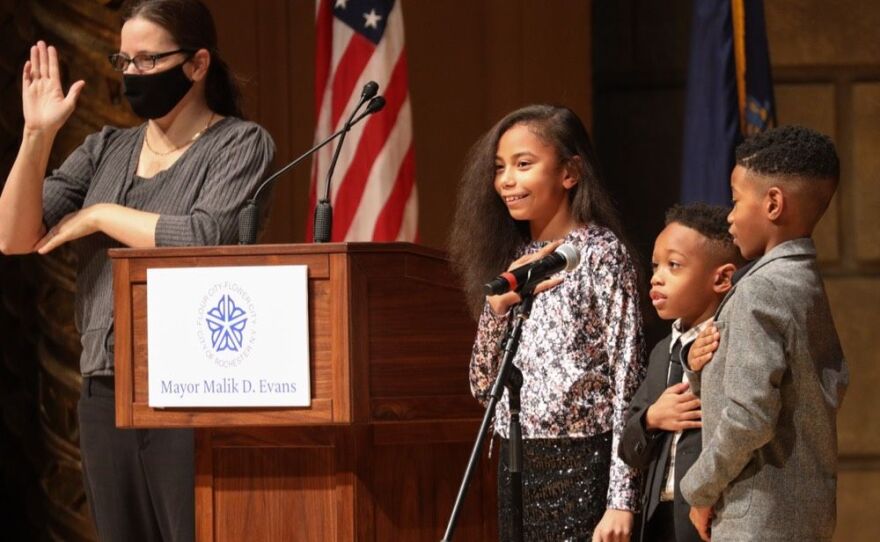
x,y
143,62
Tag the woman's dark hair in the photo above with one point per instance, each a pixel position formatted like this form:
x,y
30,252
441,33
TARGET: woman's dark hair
x,y
484,236
191,26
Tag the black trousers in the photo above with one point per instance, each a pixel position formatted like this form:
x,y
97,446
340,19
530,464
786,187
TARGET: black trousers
x,y
661,527
139,482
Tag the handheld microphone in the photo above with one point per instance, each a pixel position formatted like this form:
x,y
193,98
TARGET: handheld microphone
x,y
247,217
323,224
566,257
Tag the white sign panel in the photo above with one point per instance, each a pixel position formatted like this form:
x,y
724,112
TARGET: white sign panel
x,y
228,336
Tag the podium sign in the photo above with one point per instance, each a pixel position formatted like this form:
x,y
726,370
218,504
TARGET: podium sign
x,y
377,454
228,337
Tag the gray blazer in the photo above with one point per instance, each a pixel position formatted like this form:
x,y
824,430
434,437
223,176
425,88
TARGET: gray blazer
x,y
770,399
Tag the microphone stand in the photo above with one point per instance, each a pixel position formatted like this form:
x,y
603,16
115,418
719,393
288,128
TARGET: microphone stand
x,y
510,377
323,224
247,217
323,221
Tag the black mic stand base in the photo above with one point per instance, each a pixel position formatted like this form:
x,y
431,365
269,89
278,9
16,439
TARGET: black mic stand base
x,y
323,222
510,377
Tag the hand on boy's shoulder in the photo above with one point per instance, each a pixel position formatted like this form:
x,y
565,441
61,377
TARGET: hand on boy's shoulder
x,y
703,348
676,409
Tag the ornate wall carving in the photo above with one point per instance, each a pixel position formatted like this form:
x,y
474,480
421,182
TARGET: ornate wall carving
x,y
39,375
21,451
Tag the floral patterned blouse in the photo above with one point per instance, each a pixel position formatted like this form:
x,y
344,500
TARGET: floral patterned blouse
x,y
581,354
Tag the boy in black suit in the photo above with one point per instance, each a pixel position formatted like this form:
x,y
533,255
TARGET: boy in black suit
x,y
693,261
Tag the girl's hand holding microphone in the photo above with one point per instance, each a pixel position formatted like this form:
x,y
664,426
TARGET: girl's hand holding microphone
x,y
501,303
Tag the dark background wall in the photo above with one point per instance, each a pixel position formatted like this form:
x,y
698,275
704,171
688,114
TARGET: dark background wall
x,y
469,64
619,63
640,54
826,69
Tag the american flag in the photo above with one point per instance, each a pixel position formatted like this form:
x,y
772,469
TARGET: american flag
x,y
373,187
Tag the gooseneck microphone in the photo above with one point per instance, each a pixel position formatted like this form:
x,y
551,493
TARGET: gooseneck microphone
x,y
566,258
247,217
323,225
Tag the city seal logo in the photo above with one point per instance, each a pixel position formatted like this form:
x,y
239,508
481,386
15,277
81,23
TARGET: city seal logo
x,y
227,324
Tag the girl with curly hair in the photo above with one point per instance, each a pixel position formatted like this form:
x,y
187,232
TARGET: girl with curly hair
x,y
530,184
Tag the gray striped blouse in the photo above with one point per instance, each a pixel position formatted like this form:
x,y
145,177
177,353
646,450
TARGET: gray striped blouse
x,y
197,198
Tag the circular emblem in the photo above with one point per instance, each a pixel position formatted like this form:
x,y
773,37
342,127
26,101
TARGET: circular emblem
x,y
227,324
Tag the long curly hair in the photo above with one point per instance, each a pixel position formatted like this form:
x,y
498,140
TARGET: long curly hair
x,y
484,237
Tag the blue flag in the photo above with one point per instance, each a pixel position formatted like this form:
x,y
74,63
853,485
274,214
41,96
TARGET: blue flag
x,y
729,93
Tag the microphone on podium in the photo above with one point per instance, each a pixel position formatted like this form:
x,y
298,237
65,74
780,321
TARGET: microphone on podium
x,y
566,258
247,217
323,225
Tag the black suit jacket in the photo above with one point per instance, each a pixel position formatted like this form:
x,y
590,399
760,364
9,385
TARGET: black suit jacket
x,y
649,450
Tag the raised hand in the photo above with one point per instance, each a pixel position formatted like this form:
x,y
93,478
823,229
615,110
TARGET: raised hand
x,y
501,303
45,106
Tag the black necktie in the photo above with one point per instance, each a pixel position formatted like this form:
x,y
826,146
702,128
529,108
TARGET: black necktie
x,y
675,370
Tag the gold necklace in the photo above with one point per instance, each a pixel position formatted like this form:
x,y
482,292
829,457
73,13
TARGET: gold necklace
x,y
175,149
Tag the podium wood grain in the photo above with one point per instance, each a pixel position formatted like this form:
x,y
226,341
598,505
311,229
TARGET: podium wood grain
x,y
380,452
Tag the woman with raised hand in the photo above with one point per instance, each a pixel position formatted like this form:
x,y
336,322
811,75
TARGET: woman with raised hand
x,y
177,179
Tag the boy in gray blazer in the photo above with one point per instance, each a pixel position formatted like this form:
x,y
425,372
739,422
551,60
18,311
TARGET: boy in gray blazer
x,y
770,396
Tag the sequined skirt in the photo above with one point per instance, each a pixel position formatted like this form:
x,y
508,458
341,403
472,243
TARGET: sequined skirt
x,y
565,487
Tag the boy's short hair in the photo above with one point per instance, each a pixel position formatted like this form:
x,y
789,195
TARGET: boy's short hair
x,y
710,221
799,157
790,151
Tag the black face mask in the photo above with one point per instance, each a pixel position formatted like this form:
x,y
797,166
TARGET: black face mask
x,y
154,95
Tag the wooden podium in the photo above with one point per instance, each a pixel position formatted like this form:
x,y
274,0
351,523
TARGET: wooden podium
x,y
380,452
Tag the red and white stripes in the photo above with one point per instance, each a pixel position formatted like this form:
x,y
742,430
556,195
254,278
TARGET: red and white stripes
x,y
373,187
